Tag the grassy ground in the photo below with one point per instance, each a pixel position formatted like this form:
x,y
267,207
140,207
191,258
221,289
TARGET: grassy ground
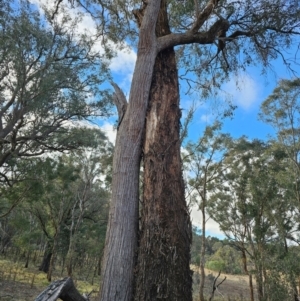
x,y
20,284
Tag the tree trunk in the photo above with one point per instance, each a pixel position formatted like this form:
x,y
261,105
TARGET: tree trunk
x,y
44,267
163,270
259,282
69,257
121,237
244,259
203,246
27,259
52,259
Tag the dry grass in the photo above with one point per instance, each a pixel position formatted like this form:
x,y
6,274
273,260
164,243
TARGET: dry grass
x,y
21,284
234,288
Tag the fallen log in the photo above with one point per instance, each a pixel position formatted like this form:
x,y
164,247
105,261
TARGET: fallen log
x,y
63,289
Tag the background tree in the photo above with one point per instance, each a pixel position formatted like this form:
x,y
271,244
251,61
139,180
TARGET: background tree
x,y
90,196
226,259
49,77
205,164
65,207
252,211
282,111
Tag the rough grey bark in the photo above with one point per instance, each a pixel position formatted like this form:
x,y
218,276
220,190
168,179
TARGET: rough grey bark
x,y
121,238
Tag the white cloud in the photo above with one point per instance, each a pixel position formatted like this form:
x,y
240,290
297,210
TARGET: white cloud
x,y
212,228
84,22
124,61
122,65
243,90
206,118
110,131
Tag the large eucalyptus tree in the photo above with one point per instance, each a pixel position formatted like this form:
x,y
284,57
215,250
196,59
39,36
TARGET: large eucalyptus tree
x,y
216,37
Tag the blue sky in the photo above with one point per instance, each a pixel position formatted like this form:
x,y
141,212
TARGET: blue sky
x,y
253,89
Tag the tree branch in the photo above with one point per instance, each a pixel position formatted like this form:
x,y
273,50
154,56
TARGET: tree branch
x,y
120,101
203,16
216,286
190,37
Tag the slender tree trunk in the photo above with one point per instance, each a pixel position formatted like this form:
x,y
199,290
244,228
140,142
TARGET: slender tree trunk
x,y
266,289
121,237
52,259
259,282
163,270
69,257
27,260
44,267
244,258
203,247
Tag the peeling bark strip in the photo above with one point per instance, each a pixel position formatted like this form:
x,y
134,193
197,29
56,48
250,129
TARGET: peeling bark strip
x,y
121,237
163,270
63,289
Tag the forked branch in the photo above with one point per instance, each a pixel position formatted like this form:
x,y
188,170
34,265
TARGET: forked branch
x,y
215,287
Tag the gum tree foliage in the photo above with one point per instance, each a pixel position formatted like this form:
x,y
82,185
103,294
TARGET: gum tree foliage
x,y
254,212
66,210
50,76
62,209
75,191
91,194
227,257
281,110
213,38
